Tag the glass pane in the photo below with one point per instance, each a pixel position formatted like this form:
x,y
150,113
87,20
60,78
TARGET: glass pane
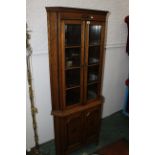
x,y
93,61
93,73
72,96
72,57
72,34
94,34
94,54
72,78
92,91
72,63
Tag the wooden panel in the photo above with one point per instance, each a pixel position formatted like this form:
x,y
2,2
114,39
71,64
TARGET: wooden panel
x,y
82,16
59,135
68,15
76,10
73,131
53,61
78,109
92,124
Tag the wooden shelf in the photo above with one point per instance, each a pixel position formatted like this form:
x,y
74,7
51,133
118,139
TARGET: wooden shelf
x,y
72,46
70,68
92,45
73,87
94,64
92,82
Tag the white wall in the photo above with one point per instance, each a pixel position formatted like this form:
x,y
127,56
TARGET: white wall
x,y
116,64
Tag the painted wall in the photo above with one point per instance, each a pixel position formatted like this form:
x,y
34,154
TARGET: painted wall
x,y
116,64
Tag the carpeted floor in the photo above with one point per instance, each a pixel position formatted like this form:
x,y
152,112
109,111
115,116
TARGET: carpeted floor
x,y
113,128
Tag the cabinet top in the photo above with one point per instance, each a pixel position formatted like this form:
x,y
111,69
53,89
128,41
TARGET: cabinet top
x,y
71,9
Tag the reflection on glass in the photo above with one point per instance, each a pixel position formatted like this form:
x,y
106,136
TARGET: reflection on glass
x,y
93,73
92,91
72,57
72,96
72,34
94,54
72,78
94,34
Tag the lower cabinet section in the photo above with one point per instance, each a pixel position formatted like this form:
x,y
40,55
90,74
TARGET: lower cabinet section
x,y
76,130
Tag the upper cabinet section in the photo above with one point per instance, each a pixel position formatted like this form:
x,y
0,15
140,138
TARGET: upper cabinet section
x,y
76,50
82,14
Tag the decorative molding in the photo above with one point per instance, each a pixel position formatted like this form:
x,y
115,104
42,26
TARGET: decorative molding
x,y
116,45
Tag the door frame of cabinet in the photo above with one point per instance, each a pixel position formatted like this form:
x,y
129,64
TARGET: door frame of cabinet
x,y
84,60
62,62
100,61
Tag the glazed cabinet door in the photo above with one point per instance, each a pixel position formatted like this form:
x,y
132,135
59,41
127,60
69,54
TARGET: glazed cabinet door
x,y
72,62
93,59
92,124
73,131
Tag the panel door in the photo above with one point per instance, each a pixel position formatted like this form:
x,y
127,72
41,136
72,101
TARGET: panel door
x,y
72,62
93,59
92,124
73,131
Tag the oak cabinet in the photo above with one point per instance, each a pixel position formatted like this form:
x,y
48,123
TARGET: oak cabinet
x,y
76,58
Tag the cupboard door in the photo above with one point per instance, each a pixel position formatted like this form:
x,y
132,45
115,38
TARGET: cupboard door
x,y
92,124
73,131
72,51
93,59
